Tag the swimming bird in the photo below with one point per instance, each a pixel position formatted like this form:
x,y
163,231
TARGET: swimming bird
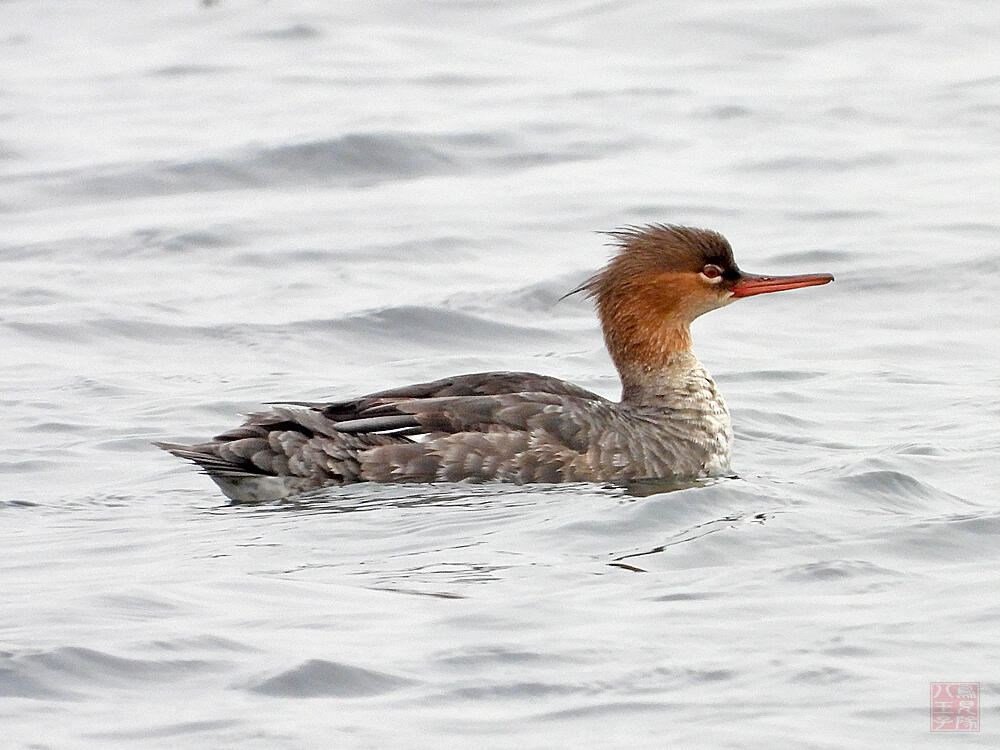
x,y
671,421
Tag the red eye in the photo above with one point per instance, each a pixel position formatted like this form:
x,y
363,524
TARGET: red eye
x,y
711,271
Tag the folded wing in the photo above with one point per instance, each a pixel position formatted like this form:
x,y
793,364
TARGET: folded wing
x,y
500,425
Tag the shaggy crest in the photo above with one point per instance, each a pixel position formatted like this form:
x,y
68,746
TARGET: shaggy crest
x,y
660,247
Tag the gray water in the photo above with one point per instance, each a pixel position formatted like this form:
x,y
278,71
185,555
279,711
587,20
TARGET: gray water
x,y
203,208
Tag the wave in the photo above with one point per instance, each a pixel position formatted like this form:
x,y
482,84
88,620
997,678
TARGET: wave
x,y
356,159
321,678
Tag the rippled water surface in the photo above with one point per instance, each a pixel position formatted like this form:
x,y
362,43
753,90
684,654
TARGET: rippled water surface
x,y
205,207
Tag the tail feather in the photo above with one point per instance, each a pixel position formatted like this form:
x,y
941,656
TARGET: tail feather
x,y
210,463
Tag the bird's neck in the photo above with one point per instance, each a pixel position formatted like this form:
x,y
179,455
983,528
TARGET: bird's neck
x,y
651,350
666,381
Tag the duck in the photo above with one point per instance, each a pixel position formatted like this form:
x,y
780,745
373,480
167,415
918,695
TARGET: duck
x,y
671,422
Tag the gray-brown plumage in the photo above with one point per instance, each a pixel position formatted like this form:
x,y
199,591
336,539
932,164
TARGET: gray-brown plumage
x,y
521,427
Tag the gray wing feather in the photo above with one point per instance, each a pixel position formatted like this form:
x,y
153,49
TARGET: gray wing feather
x,y
474,384
513,426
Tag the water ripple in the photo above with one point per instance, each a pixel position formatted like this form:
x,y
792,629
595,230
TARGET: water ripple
x,y
320,678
